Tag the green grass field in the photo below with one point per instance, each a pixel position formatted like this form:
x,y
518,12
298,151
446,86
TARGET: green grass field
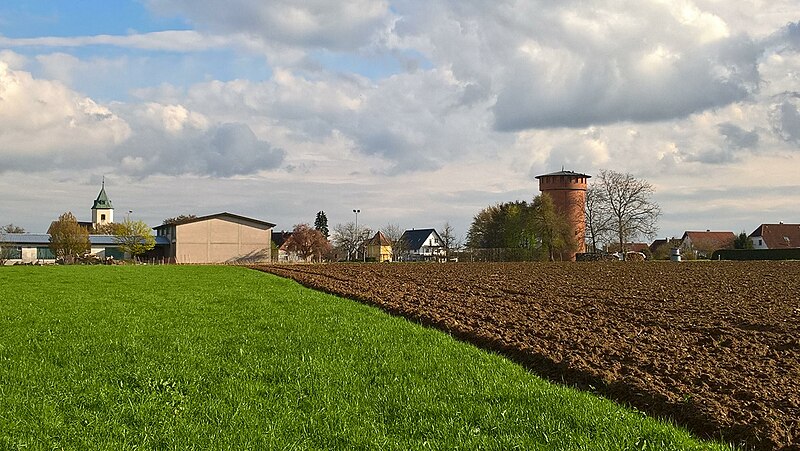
x,y
181,357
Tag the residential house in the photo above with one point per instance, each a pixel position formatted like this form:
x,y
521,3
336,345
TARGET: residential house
x,y
422,245
703,244
660,248
776,236
379,248
280,251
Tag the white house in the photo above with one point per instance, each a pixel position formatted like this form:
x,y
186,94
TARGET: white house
x,y
422,244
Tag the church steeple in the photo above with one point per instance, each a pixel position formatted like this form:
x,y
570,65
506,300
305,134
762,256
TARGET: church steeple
x,y
102,210
102,198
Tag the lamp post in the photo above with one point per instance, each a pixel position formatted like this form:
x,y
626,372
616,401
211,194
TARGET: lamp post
x,y
356,232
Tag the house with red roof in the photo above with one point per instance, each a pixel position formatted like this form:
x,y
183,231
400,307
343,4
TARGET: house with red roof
x,y
703,244
776,236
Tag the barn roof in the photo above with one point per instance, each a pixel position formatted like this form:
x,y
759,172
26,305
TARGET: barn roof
x,y
217,215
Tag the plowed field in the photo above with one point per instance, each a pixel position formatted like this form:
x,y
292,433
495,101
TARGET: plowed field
x,y
714,346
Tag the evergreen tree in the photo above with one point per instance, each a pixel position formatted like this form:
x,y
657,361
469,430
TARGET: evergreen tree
x,y
742,241
321,224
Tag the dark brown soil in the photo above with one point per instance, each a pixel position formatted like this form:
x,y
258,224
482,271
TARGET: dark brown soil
x,y
714,346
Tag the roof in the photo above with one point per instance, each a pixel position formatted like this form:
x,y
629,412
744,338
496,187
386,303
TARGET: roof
x,y
672,242
379,240
44,239
415,238
25,238
215,216
710,240
102,200
630,247
564,173
779,235
280,237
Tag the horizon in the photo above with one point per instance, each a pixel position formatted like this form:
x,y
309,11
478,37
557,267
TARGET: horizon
x,y
416,113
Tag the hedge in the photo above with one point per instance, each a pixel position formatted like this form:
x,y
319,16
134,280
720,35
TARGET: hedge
x,y
757,254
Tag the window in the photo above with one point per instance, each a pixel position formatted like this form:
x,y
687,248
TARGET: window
x,y
114,252
760,242
13,253
102,217
45,253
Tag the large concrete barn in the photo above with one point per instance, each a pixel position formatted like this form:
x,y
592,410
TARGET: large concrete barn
x,y
218,238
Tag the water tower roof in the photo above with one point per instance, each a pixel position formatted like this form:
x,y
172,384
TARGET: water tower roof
x,y
566,173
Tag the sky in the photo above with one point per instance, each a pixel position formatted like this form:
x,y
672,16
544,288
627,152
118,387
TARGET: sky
x,y
414,112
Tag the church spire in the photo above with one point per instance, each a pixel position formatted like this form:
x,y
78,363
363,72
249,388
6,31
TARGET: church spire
x,y
102,201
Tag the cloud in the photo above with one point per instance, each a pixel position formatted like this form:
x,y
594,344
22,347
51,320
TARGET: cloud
x,y
343,25
785,117
165,41
787,38
44,125
738,138
568,89
170,140
13,60
570,64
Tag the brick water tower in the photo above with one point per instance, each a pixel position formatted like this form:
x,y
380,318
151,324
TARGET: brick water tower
x,y
568,191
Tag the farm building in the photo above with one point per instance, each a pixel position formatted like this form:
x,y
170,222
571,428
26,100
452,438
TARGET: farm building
x,y
218,238
379,248
776,236
421,245
35,248
703,244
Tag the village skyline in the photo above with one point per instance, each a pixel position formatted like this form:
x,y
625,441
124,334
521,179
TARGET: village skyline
x,y
415,113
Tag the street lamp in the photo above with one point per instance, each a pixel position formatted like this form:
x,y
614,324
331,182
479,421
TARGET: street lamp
x,y
356,232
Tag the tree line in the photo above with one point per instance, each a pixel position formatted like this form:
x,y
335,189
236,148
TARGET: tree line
x,y
618,208
533,230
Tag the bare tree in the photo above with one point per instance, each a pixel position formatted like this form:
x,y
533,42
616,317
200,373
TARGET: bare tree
x,y
393,233
11,228
448,236
350,239
631,211
598,216
6,250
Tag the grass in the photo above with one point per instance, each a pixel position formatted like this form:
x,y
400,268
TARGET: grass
x,y
183,357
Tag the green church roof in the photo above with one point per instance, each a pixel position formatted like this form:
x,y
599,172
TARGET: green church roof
x,y
102,201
